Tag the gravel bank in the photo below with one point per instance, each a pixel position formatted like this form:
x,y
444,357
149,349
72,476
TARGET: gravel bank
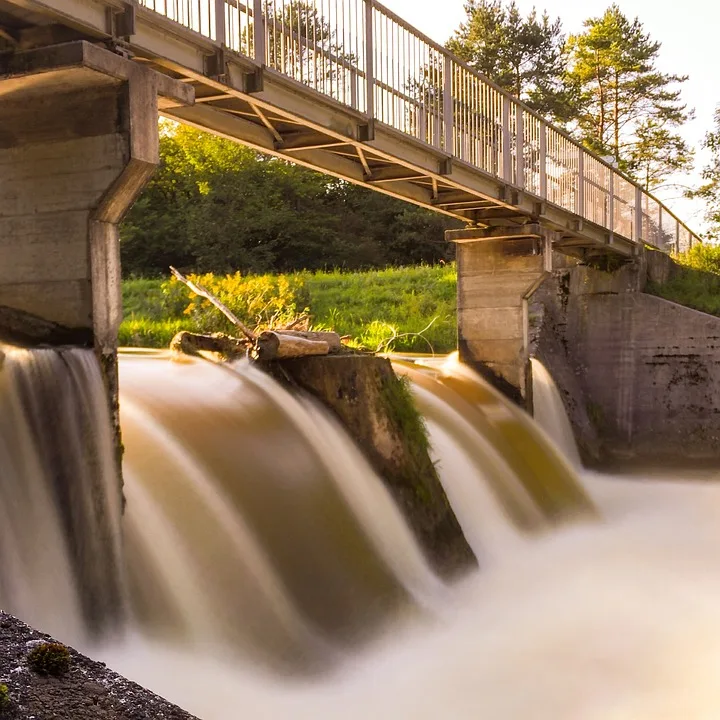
x,y
88,691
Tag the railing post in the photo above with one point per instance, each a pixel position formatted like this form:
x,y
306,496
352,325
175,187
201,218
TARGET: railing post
x,y
580,197
611,205
370,68
543,161
677,236
220,32
506,141
638,214
448,110
259,33
520,148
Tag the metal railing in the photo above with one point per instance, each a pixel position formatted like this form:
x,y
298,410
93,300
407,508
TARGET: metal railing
x,y
362,55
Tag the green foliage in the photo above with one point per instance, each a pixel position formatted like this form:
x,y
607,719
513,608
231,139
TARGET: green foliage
x,y
705,257
709,191
523,55
49,658
696,284
4,697
626,107
398,399
380,310
216,206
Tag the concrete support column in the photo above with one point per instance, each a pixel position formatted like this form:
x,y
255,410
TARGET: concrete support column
x,y
498,270
78,142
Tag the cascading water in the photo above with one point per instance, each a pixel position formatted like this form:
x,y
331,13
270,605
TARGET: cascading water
x,y
549,412
60,536
269,574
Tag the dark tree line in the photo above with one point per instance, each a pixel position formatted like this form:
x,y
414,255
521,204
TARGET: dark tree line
x,y
216,206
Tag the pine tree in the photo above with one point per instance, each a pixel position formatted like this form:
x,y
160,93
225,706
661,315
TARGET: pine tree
x,y
709,191
627,108
523,55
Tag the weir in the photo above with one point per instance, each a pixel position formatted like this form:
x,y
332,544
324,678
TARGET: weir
x,y
265,568
284,557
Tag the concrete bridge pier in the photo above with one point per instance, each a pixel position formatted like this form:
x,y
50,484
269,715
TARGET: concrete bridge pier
x,y
78,142
499,268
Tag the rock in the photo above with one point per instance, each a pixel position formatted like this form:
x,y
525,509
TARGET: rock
x,y
376,408
88,691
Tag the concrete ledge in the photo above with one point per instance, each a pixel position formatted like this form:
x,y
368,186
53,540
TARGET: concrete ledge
x,y
49,70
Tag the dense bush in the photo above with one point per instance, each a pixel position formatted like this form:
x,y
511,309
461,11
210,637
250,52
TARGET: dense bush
x,y
4,697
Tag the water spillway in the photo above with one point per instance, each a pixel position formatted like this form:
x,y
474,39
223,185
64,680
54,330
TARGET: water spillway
x,y
262,569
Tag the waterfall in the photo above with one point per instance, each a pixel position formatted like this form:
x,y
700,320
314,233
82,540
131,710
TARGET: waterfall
x,y
60,508
259,546
549,412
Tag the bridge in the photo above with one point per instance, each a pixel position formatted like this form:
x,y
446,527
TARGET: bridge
x,y
345,87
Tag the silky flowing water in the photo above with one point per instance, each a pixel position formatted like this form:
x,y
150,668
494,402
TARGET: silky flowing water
x,y
265,572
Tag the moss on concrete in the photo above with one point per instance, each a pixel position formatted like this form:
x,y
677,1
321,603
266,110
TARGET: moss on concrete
x,y
377,409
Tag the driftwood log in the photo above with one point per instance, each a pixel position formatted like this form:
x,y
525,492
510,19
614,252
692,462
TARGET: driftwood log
x,y
269,345
189,343
277,345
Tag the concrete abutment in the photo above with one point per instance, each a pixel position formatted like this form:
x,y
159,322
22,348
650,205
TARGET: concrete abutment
x,y
78,142
498,271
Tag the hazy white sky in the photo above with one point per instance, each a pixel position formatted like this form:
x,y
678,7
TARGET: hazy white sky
x,y
689,31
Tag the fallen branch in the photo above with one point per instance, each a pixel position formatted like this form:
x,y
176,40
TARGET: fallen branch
x,y
202,292
189,343
275,345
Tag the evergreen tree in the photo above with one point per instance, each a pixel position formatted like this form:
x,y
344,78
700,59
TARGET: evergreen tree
x,y
709,191
523,55
627,107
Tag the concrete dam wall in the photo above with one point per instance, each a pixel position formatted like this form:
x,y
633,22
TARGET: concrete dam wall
x,y
640,376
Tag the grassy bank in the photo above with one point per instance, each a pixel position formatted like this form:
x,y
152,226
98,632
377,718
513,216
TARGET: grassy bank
x,y
696,283
402,309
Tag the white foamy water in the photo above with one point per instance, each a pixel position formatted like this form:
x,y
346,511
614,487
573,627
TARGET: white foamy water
x,y
616,620
270,575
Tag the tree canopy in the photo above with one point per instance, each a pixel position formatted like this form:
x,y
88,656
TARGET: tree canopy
x,y
709,191
216,206
626,107
523,55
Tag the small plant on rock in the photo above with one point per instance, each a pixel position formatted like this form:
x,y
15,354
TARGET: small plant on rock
x,y
4,697
49,659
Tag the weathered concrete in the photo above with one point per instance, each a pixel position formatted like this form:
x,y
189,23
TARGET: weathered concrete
x,y
498,270
640,375
89,690
78,141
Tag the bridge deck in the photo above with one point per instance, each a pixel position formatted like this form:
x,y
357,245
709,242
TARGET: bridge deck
x,y
348,88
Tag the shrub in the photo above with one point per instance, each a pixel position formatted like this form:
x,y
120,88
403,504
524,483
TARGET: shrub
x,y
4,697
49,659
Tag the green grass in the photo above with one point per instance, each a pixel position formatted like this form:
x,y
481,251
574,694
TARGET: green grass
x,y
401,309
696,283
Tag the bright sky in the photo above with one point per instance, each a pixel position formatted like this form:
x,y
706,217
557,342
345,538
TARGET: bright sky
x,y
688,31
